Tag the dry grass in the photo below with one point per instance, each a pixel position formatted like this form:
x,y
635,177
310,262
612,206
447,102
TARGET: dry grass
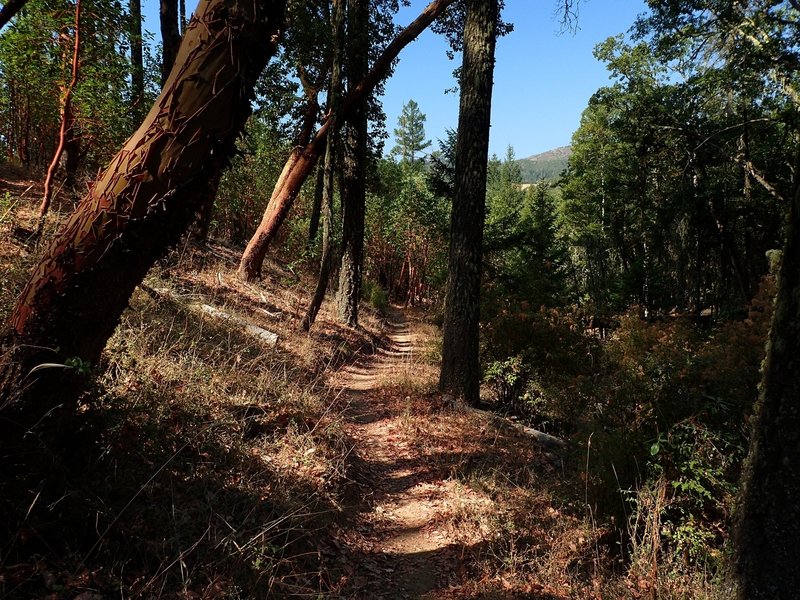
x,y
204,463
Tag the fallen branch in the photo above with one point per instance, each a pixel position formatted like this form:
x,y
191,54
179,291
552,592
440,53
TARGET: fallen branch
x,y
545,440
265,336
268,337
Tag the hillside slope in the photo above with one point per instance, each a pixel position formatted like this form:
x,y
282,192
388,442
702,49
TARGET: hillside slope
x,y
547,165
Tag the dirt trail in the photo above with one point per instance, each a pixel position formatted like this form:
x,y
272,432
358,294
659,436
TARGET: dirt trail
x,y
400,546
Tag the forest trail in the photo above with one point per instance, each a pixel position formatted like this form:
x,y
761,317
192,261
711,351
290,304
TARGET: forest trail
x,y
401,544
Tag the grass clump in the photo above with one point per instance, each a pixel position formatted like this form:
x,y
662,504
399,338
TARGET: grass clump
x,y
203,463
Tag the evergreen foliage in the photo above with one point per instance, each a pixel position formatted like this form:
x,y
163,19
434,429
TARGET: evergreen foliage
x,y
410,133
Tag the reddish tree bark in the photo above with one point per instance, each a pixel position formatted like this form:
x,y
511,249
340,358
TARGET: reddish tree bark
x,y
67,122
302,160
137,208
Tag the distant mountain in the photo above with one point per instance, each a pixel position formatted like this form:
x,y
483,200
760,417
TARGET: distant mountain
x,y
547,165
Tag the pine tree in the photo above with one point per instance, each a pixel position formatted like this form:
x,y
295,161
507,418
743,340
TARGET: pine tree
x,y
410,133
460,374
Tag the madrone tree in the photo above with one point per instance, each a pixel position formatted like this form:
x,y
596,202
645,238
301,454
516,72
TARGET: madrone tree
x,y
137,207
302,160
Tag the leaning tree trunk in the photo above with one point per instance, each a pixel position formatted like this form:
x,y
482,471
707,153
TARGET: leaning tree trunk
x,y
334,94
10,9
170,36
768,519
460,374
301,162
353,191
136,209
67,124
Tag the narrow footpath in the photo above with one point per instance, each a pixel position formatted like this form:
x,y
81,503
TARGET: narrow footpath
x,y
401,545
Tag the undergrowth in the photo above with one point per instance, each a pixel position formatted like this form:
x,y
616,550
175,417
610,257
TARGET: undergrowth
x,y
203,463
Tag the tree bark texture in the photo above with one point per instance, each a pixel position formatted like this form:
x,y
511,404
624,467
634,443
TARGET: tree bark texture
x,y
204,215
138,207
334,95
353,192
460,374
768,519
326,258
316,208
170,36
67,123
302,161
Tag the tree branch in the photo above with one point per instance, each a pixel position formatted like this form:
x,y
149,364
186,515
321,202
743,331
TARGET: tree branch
x,y
10,9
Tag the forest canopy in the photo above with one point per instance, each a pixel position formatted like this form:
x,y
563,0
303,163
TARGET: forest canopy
x,y
203,237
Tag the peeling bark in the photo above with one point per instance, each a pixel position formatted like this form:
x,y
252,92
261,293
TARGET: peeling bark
x,y
136,209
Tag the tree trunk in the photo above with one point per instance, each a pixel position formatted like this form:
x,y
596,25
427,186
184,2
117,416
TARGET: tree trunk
x,y
460,374
201,226
137,58
768,519
170,37
137,208
326,259
302,161
316,207
334,94
353,192
10,9
67,124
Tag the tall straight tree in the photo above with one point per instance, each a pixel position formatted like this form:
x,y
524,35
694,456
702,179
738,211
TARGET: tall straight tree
x,y
768,520
137,58
353,192
170,36
138,206
302,160
460,373
331,151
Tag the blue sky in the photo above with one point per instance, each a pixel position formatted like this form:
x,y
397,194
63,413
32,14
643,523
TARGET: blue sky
x,y
543,78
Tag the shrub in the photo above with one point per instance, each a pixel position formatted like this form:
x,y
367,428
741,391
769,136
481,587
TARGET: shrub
x,y
376,296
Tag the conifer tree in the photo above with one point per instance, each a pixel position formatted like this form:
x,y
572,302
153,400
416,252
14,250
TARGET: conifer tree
x,y
410,133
